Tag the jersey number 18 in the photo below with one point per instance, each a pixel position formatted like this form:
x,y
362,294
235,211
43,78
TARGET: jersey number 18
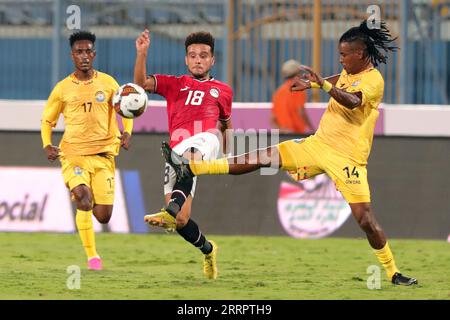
x,y
194,98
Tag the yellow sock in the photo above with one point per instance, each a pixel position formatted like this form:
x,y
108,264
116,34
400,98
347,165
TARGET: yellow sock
x,y
86,232
219,166
386,258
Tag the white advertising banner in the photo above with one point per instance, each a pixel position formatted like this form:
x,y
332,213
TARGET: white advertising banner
x,y
417,120
29,113
34,199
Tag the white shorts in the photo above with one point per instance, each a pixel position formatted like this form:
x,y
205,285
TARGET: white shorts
x,y
205,142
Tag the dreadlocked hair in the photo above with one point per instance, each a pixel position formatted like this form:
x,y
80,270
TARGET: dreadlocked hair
x,y
374,39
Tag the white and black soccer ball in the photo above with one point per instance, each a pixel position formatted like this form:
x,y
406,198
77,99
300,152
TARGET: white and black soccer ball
x,y
130,100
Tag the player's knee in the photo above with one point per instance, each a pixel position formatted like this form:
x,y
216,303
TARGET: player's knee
x,y
103,214
365,224
366,220
193,154
86,202
103,219
83,199
84,205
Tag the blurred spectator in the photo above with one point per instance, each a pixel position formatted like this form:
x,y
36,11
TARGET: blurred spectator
x,y
288,108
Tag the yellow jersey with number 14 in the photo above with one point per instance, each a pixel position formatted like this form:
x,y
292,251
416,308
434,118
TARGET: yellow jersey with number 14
x,y
350,131
90,120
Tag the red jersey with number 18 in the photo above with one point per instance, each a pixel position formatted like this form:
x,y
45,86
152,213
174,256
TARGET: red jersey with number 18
x,y
193,106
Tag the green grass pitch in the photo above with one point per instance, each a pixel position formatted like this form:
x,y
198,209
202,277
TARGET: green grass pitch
x,y
34,266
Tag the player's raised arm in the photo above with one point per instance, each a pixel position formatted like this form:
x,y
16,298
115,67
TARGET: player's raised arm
x,y
313,80
333,79
140,71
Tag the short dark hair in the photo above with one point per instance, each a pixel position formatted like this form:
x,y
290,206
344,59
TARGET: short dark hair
x,y
374,39
81,35
201,37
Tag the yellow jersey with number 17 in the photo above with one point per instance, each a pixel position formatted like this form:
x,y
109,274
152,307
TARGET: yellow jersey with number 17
x,y
90,120
350,131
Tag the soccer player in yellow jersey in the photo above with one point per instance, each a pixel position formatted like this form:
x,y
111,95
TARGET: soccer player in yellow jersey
x,y
340,147
91,139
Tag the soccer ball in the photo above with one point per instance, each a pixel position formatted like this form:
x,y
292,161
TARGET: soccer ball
x,y
130,100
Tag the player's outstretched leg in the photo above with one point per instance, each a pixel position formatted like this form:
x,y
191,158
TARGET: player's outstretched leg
x,y
377,240
245,163
166,217
177,162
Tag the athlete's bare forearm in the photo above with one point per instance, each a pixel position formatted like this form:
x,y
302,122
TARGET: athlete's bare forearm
x,y
140,69
333,79
347,99
140,72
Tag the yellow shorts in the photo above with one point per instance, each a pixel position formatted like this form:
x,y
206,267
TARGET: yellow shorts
x,y
95,171
305,158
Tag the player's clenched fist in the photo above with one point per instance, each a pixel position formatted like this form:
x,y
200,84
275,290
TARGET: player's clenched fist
x,y
143,42
125,140
52,152
299,84
312,76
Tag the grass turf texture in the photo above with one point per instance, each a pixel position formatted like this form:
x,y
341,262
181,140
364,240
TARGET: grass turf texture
x,y
34,266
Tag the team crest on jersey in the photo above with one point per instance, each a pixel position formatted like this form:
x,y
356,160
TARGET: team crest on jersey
x,y
77,171
99,96
354,84
214,92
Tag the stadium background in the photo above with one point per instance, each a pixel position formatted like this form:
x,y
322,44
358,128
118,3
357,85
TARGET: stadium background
x,y
408,169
